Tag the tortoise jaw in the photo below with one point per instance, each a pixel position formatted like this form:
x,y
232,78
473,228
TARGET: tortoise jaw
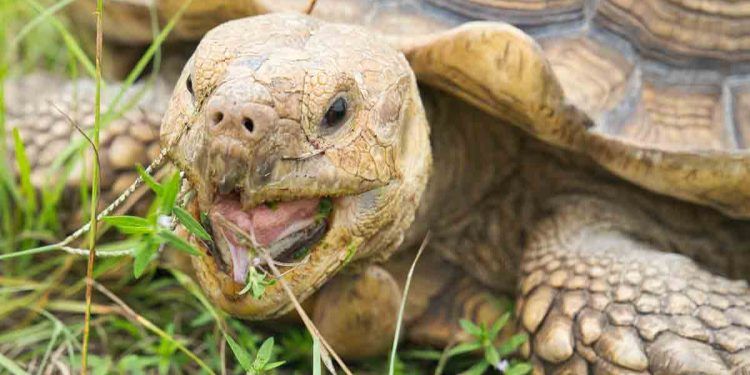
x,y
307,255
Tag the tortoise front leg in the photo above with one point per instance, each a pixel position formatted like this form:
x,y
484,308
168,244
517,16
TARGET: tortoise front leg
x,y
357,312
596,298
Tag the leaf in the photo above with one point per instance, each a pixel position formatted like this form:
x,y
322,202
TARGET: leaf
x,y
24,170
470,328
264,354
11,366
491,355
169,193
464,348
273,365
247,288
520,368
155,186
130,224
258,290
324,209
192,225
498,325
423,354
478,369
143,257
512,344
351,250
243,357
178,242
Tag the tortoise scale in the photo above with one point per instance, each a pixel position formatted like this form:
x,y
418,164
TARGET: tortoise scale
x,y
593,167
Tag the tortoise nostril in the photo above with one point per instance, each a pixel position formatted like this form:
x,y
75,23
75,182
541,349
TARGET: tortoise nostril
x,y
248,124
217,117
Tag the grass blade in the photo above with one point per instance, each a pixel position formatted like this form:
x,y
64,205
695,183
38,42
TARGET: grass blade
x,y
140,66
24,170
11,366
38,20
70,42
94,187
392,360
316,357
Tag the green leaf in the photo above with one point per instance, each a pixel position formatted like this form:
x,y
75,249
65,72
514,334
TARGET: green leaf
x,y
24,169
324,209
498,325
258,290
11,366
520,368
491,355
512,344
273,365
155,186
256,282
478,369
243,357
470,328
127,221
264,354
464,348
169,193
143,257
351,250
423,354
192,225
130,224
178,242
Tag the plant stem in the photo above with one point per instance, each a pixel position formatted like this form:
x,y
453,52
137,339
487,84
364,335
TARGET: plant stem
x,y
94,189
392,361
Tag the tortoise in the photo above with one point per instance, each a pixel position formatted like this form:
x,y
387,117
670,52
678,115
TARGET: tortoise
x,y
596,171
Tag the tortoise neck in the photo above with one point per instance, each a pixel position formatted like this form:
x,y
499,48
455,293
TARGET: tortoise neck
x,y
468,161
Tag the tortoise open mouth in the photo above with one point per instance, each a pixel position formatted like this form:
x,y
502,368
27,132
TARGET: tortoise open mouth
x,y
286,230
307,234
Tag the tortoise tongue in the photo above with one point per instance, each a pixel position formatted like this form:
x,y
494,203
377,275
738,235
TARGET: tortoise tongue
x,y
264,224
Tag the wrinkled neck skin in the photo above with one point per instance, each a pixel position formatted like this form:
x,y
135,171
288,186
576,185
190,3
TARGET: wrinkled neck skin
x,y
491,182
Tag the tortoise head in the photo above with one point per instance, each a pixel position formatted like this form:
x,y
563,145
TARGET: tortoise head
x,y
303,140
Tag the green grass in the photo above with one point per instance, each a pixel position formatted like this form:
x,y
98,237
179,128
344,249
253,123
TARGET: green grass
x,y
144,319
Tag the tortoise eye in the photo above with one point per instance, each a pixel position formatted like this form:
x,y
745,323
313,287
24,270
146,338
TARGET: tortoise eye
x,y
189,84
335,115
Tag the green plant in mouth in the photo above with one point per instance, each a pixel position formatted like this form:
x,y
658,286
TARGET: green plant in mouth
x,y
256,282
351,250
301,253
324,209
272,205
